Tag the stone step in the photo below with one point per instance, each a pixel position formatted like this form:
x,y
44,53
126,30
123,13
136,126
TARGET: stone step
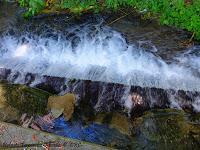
x,y
13,136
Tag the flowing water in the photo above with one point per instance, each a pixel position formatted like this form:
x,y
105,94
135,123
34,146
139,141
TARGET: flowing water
x,y
47,52
97,53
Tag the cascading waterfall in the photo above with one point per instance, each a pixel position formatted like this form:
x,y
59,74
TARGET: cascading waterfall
x,y
50,53
97,54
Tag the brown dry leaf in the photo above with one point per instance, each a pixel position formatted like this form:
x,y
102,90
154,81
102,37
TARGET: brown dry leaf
x,y
62,104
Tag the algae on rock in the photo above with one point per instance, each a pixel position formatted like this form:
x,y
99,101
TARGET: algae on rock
x,y
18,99
166,129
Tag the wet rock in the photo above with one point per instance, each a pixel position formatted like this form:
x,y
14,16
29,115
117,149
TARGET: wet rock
x,y
15,137
114,120
9,114
2,98
166,129
106,97
18,99
149,35
51,84
62,104
4,73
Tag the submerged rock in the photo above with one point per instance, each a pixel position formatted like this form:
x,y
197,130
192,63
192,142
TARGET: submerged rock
x,y
166,129
114,120
18,99
62,104
155,129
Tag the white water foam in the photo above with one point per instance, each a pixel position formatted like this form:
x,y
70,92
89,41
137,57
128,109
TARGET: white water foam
x,y
105,56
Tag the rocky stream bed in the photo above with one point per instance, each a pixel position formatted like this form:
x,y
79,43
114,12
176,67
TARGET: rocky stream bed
x,y
142,92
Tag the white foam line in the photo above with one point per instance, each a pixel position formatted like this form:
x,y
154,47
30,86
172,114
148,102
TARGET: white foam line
x,y
105,57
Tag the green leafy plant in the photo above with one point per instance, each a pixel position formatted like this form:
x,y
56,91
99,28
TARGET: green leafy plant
x,y
33,6
77,6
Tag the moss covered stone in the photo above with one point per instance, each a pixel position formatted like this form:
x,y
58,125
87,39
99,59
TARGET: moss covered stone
x,y
166,129
22,99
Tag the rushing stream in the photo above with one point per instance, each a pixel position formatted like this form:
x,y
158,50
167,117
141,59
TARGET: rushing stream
x,y
103,68
97,53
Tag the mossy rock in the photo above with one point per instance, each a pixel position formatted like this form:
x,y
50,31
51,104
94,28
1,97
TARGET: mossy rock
x,y
114,120
23,99
9,114
166,129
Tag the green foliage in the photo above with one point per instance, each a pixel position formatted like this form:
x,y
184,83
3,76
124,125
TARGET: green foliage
x,y
180,13
175,12
115,4
33,6
78,6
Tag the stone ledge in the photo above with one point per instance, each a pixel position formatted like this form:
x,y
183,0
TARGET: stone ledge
x,y
13,136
